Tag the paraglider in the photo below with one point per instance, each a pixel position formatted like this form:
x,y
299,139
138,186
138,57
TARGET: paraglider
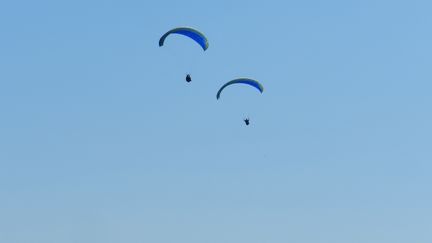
x,y
188,78
247,81
194,34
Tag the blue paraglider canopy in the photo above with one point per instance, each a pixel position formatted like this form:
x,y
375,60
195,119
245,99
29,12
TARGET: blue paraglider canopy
x,y
247,81
194,34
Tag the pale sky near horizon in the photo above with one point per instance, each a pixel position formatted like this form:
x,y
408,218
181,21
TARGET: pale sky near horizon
x,y
102,140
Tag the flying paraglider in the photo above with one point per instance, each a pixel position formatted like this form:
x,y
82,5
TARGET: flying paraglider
x,y
194,34
247,81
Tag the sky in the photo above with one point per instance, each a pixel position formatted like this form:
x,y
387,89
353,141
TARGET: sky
x,y
102,140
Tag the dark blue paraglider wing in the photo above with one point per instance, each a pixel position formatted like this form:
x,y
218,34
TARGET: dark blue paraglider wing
x,y
247,81
195,35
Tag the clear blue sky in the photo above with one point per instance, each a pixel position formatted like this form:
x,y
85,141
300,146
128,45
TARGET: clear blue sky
x,y
102,140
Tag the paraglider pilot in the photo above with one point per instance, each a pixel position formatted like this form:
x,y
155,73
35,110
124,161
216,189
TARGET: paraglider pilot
x,y
188,78
246,120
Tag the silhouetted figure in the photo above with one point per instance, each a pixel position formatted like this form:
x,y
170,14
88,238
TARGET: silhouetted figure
x,y
246,121
188,78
